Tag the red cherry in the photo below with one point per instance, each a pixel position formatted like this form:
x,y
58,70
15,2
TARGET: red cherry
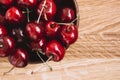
x,y
55,49
19,58
69,34
7,45
34,30
27,3
67,15
39,45
49,9
3,30
14,15
52,29
7,2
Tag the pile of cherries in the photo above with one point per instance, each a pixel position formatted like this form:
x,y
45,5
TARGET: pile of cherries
x,y
45,27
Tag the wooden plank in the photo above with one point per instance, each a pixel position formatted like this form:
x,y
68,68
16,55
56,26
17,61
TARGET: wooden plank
x,y
95,55
82,69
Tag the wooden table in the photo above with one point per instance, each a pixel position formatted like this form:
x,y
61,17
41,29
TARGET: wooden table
x,y
95,55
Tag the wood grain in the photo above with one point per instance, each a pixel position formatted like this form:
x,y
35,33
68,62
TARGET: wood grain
x,y
95,55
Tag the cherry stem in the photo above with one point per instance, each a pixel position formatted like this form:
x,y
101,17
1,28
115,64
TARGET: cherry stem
x,y
28,19
45,62
45,17
9,70
40,51
12,67
72,22
43,6
24,12
63,23
1,45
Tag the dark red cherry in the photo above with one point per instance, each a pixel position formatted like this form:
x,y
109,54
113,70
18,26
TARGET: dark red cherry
x,y
39,44
55,49
66,15
18,34
49,9
7,45
27,3
52,29
3,30
14,15
7,2
19,58
34,30
69,34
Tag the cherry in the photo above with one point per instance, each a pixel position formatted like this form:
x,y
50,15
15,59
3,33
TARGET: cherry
x,y
27,3
34,30
14,15
52,29
66,15
55,49
7,45
48,8
69,34
39,44
7,2
3,30
18,34
19,58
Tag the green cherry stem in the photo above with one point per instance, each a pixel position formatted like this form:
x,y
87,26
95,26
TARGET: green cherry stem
x,y
74,20
9,70
28,19
1,46
43,6
24,12
45,62
45,17
71,23
12,67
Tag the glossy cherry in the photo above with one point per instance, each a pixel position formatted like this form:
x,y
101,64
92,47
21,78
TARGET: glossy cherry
x,y
69,34
66,15
3,30
52,29
39,44
7,45
49,9
55,49
27,3
14,15
7,3
34,30
19,58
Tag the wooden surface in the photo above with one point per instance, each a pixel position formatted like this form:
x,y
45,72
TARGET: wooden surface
x,y
95,55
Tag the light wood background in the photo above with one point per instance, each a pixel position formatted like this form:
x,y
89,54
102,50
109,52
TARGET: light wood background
x,y
95,55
